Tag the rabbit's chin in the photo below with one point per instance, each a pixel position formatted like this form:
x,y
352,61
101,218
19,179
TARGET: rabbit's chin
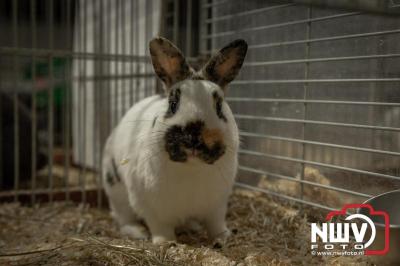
x,y
195,156
194,163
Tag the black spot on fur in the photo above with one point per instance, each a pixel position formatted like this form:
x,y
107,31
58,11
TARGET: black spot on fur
x,y
154,121
112,176
173,138
210,155
110,179
218,106
192,133
217,245
115,171
178,139
173,102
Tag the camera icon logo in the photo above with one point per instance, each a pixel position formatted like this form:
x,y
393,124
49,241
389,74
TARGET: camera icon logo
x,y
337,234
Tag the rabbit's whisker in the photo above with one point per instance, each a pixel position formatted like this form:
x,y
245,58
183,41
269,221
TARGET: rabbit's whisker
x,y
149,135
147,160
143,137
151,145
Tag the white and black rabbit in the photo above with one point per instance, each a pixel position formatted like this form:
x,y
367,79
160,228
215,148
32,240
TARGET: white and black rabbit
x,y
173,159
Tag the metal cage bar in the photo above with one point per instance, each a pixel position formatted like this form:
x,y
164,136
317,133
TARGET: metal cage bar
x,y
327,123
326,39
51,100
246,13
276,100
291,81
305,104
283,196
319,60
15,99
279,25
302,181
318,143
67,162
33,98
295,160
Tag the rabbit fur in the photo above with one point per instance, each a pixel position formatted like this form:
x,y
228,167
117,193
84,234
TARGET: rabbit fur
x,y
173,159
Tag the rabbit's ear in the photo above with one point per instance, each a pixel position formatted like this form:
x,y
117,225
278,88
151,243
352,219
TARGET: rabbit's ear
x,y
168,61
223,67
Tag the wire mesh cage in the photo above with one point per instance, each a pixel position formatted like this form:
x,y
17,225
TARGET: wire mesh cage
x,y
77,67
317,101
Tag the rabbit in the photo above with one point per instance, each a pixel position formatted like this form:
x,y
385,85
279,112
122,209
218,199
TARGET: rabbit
x,y
173,159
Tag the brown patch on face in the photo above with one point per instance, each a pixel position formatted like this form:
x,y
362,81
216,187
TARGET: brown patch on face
x,y
211,136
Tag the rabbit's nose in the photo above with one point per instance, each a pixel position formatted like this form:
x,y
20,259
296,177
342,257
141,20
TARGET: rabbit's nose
x,y
193,140
192,134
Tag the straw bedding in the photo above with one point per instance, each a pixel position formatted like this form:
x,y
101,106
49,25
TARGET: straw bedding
x,y
266,232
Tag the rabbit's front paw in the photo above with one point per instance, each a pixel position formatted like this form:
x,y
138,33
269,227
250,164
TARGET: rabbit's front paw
x,y
221,239
161,232
217,229
135,231
162,239
194,226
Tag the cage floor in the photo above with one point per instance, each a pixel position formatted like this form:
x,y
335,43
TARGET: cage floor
x,y
267,232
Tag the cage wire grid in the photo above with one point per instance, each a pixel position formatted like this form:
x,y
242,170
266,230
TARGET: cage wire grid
x,y
244,27
318,92
97,54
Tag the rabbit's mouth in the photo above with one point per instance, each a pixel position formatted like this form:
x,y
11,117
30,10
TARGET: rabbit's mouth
x,y
194,141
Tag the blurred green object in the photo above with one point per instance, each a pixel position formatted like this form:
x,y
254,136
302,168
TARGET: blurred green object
x,y
42,77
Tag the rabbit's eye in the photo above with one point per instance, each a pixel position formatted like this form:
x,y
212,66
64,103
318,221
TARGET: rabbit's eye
x,y
173,106
218,106
173,101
